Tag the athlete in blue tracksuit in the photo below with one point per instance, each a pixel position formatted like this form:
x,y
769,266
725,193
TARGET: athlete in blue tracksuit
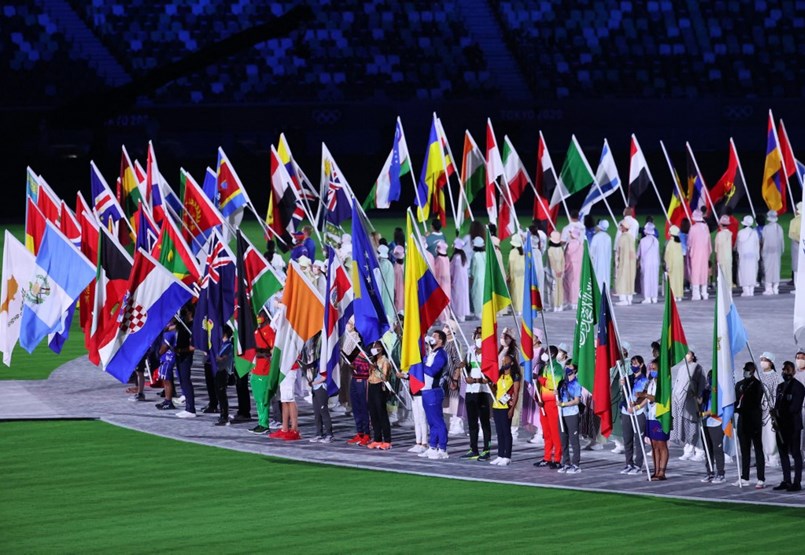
x,y
433,396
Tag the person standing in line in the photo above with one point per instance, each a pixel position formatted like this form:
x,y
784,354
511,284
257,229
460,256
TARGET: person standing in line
x,y
556,264
748,406
358,393
167,364
699,250
648,256
378,378
748,248
601,254
688,385
433,397
633,417
569,393
184,361
399,277
788,407
477,276
625,264
459,281
723,248
477,400
772,253
548,382
516,273
225,361
453,393
574,252
713,436
770,378
506,393
793,235
386,284
658,437
675,263
264,342
434,236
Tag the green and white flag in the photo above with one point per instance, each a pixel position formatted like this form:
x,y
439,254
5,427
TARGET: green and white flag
x,y
585,334
398,164
576,174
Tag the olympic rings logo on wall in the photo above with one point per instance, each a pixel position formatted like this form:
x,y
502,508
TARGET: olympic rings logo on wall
x,y
327,117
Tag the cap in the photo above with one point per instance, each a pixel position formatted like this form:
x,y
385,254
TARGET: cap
x,y
626,346
304,262
603,225
768,356
556,237
478,242
724,220
509,332
674,231
441,247
801,351
747,221
459,243
649,227
517,241
697,216
383,251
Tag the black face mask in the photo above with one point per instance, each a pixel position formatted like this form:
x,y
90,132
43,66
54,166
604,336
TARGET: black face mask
x,y
787,377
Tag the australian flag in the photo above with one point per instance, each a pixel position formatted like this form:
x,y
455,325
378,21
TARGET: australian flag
x,y
370,316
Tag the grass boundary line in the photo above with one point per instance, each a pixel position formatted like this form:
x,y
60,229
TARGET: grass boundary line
x,y
455,477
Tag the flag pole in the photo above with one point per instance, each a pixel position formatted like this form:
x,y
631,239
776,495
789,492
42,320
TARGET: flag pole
x,y
677,186
507,199
651,178
782,161
184,226
542,204
741,170
440,133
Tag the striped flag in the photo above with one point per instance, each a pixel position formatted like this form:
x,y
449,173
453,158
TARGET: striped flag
x,y
545,182
105,204
473,177
496,298
532,305
515,180
607,178
494,170
774,178
576,173
673,348
639,175
337,311
729,338
430,188
388,186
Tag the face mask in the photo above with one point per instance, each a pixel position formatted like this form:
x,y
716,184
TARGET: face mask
x,y
765,365
561,357
544,357
652,374
787,377
375,351
801,363
635,369
747,375
503,341
478,343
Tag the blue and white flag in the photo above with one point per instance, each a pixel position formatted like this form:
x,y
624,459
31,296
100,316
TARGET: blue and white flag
x,y
60,275
607,178
729,338
105,203
154,296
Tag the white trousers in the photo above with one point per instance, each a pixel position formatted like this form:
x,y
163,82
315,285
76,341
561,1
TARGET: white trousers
x,y
420,422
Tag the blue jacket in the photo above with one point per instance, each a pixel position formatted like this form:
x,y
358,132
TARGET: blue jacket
x,y
433,371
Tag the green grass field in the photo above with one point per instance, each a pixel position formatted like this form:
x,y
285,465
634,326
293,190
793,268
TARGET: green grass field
x,y
91,487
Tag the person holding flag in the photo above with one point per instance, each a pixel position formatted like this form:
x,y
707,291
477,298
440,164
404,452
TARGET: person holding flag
x,y
569,393
477,400
788,406
713,435
548,381
656,432
748,406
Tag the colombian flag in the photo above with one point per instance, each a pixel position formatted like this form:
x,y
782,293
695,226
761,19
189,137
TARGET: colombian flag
x,y
424,301
673,348
496,298
774,179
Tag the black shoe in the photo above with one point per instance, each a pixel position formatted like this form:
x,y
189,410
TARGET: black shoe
x,y
223,421
783,486
209,409
258,430
794,487
543,463
165,405
484,456
239,418
554,465
162,393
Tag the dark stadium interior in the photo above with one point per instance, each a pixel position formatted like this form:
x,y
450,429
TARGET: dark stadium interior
x,y
80,78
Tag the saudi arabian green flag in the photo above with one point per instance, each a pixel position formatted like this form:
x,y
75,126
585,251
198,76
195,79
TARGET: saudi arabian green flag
x,y
586,319
576,173
673,348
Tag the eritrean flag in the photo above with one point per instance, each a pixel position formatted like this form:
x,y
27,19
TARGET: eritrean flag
x,y
496,298
424,301
673,348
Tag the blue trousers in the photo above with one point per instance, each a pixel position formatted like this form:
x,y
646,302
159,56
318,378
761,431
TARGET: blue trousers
x,y
360,408
183,365
432,401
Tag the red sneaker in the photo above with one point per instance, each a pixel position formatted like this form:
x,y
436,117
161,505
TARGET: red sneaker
x,y
365,440
292,435
279,434
385,446
374,445
356,439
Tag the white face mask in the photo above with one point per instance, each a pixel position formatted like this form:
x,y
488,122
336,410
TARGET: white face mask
x,y
765,365
801,363
375,351
503,341
561,357
478,343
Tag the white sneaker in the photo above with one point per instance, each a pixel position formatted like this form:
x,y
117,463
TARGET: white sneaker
x,y
564,469
274,425
418,449
760,484
573,469
618,449
773,462
438,454
505,462
180,401
646,301
426,454
697,457
185,414
654,300
727,459
741,483
495,461
634,471
316,439
626,469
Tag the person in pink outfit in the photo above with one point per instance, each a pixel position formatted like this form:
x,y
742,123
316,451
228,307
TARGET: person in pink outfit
x,y
441,270
399,278
699,250
574,250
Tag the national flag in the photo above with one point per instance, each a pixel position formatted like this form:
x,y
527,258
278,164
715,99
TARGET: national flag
x,y
729,338
774,178
152,299
697,191
370,316
297,320
424,302
545,182
18,273
147,231
430,187
607,178
576,173
337,311
69,226
799,288
336,192
153,186
587,317
199,217
494,170
129,193
730,188
48,202
281,201
449,161
678,208
231,193
61,273
388,186
173,253
496,299
639,175
35,223
787,153
607,354
473,177
89,248
515,180
216,300
113,269
532,305
673,348
210,185
306,194
105,204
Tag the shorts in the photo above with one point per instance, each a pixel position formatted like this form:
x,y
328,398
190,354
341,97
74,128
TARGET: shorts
x,y
287,386
655,432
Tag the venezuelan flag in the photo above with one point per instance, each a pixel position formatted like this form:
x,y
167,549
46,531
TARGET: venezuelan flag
x,y
424,301
774,180
430,188
496,298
